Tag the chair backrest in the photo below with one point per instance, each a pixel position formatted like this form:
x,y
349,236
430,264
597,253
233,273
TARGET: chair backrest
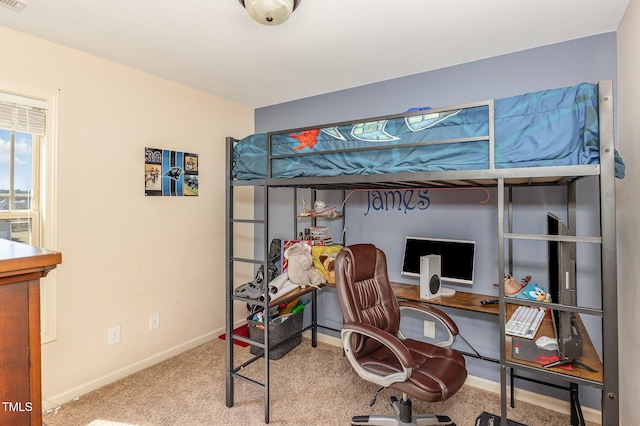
x,y
365,294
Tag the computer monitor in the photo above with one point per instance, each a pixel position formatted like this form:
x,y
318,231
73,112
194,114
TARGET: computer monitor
x,y
562,288
457,257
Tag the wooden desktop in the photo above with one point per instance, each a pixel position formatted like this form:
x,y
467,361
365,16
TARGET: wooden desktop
x,y
473,302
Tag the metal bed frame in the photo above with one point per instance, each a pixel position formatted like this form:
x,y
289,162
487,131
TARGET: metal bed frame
x,y
502,179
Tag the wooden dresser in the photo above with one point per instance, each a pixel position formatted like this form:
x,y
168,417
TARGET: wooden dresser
x,y
21,267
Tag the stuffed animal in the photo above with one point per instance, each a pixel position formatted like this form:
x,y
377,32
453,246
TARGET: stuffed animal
x,y
329,268
323,257
511,286
300,266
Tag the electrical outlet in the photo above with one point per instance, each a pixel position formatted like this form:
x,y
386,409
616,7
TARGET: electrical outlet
x,y
154,321
114,335
430,329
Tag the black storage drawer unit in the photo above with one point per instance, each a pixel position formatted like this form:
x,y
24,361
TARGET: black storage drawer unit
x,y
279,330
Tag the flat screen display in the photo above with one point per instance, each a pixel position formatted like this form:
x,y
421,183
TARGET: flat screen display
x,y
457,256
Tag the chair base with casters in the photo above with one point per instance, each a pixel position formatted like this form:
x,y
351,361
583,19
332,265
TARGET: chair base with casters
x,y
403,416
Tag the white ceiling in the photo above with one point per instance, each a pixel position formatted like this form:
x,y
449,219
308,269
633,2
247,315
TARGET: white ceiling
x,y
326,45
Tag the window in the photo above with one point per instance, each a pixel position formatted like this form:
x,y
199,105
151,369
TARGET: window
x,y
22,129
19,207
28,182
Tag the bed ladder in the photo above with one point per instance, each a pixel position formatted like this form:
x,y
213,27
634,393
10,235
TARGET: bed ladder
x,y
232,371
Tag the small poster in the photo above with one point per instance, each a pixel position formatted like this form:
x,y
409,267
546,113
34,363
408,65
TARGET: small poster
x,y
170,173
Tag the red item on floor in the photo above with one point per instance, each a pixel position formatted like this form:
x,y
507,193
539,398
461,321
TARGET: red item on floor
x,y
241,331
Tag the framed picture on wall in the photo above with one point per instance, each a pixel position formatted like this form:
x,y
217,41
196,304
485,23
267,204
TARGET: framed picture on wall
x,y
170,173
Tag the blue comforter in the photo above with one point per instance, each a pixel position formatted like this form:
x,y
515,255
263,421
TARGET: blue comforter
x,y
547,128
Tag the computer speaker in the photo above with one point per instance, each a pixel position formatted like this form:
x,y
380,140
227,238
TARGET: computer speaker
x,y
430,271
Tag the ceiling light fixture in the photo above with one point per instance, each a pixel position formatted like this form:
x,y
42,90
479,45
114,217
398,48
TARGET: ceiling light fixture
x,y
270,12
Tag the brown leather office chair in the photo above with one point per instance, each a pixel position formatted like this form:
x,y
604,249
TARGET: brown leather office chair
x,y
377,350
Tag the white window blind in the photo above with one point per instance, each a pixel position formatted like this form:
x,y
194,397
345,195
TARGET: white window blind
x,y
22,114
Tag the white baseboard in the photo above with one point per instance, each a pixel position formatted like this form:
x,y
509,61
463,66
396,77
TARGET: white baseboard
x,y
52,402
554,404
324,338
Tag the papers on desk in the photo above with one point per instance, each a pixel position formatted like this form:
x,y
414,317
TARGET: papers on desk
x,y
278,287
281,285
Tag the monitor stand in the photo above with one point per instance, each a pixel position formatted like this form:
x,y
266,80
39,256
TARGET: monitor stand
x,y
561,362
571,356
447,291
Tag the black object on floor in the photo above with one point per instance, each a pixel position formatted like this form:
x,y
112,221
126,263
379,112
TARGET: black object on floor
x,y
488,419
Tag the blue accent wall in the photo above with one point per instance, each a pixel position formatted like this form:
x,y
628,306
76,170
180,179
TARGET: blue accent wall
x,y
588,59
457,214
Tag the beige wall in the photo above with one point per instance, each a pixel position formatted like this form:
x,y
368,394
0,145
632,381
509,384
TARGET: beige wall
x,y
126,256
628,219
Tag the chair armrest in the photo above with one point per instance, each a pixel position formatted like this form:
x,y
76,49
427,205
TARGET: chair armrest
x,y
436,314
387,339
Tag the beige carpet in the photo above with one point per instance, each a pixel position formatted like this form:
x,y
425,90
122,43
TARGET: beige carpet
x,y
308,387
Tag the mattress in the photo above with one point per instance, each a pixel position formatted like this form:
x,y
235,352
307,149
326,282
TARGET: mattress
x,y
555,127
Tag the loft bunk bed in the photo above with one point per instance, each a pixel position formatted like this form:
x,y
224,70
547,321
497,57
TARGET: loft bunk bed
x,y
549,138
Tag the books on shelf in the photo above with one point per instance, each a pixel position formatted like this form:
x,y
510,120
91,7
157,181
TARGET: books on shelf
x,y
320,235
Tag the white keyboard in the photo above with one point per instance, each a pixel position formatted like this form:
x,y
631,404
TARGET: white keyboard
x,y
525,322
